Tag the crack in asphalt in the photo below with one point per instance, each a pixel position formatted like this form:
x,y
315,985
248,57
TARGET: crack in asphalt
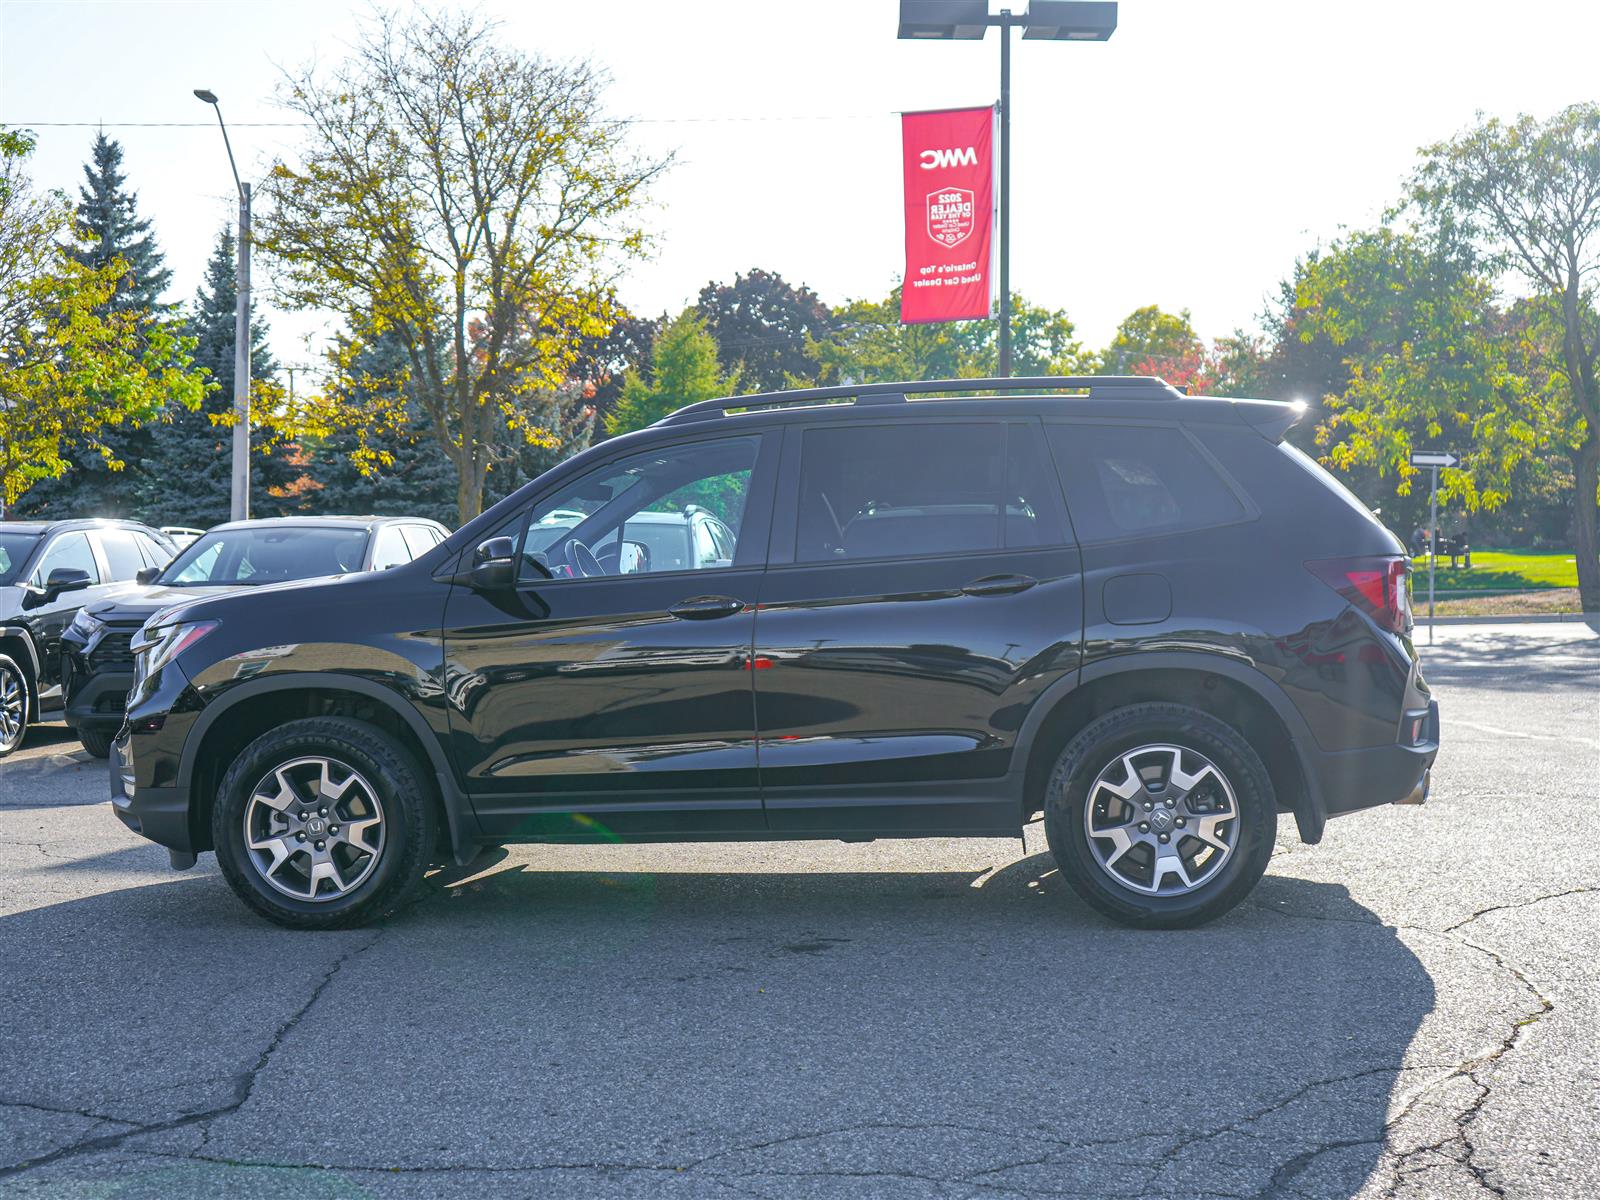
x,y
244,1086
1483,912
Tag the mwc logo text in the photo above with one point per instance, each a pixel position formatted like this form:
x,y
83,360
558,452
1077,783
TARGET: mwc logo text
x,y
933,160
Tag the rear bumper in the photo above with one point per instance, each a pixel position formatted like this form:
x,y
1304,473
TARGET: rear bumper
x,y
1348,781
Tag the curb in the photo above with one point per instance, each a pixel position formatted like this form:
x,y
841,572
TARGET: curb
x,y
1523,619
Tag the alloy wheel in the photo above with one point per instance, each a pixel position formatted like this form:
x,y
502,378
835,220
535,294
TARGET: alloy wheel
x,y
13,706
1161,820
314,829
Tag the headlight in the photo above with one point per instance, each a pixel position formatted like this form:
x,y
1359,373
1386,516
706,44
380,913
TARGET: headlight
x,y
85,626
154,648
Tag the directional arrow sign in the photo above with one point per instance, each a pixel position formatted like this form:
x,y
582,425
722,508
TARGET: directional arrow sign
x,y
1434,460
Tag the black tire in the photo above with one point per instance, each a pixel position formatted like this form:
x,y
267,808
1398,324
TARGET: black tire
x,y
95,742
1102,744
14,698
406,804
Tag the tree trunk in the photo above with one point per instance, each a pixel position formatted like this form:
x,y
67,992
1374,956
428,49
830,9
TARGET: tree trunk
x,y
1586,522
469,488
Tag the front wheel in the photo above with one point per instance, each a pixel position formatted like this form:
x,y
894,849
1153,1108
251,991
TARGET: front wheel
x,y
324,823
1161,816
13,705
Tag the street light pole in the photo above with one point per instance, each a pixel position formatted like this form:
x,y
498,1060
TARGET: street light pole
x,y
1005,192
1045,20
239,499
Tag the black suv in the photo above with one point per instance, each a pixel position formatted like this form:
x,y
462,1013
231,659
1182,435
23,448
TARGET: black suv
x,y
1134,611
48,571
96,649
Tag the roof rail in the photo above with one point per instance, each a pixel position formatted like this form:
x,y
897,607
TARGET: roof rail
x,y
1125,386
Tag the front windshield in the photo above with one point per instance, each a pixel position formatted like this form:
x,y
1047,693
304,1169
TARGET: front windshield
x,y
14,551
275,554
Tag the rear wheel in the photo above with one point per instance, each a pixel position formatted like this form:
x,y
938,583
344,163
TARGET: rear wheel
x,y
1161,816
13,705
324,823
95,742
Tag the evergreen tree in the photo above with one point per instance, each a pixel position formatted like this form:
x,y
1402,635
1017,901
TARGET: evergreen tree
x,y
108,211
684,369
190,447
107,214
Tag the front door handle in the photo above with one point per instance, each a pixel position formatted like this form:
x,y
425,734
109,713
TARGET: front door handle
x,y
999,585
706,608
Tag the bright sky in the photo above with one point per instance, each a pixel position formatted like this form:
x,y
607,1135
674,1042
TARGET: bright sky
x,y
1187,162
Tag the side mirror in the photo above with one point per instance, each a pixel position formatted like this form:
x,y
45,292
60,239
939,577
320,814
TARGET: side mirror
x,y
494,565
147,575
634,560
64,579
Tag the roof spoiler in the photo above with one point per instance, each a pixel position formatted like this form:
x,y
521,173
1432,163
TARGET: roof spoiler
x,y
1272,419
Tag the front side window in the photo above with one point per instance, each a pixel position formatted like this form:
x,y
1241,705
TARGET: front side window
x,y
390,549
1127,481
68,550
638,515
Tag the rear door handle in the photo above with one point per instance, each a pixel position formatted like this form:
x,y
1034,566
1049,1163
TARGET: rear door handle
x,y
999,585
706,608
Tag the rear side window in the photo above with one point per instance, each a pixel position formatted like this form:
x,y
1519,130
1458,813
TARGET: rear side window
x,y
390,549
122,553
892,491
155,554
1125,481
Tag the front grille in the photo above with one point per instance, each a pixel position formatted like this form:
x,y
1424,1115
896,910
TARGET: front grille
x,y
114,652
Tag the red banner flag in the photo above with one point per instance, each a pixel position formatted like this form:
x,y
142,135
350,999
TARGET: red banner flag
x,y
949,176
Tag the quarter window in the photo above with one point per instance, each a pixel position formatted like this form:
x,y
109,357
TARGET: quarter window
x,y
1125,480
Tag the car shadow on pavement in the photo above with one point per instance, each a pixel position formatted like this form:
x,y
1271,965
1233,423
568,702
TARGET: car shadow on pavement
x,y
862,1033
1509,662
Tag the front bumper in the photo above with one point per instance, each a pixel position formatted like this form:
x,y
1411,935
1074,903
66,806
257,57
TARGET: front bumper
x,y
95,701
147,794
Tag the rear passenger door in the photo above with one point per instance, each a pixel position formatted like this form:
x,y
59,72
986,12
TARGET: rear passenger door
x,y
922,591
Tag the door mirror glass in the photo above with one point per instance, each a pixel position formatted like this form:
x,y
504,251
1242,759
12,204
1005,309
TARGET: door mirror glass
x,y
635,559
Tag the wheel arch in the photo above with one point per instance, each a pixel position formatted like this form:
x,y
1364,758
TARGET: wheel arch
x,y
225,726
16,642
1230,689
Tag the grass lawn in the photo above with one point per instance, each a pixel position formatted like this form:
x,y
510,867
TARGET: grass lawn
x,y
1501,582
1499,570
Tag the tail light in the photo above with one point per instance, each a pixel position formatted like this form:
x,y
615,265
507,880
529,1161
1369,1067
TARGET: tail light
x,y
1375,585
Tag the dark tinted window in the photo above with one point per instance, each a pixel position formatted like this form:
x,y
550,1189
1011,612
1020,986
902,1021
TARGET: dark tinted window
x,y
1034,514
1122,481
14,551
889,491
122,553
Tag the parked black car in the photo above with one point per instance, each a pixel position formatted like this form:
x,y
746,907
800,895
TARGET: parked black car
x,y
96,659
48,570
1137,612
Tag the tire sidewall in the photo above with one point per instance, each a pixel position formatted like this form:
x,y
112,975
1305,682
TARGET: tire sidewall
x,y
1106,740
399,787
8,665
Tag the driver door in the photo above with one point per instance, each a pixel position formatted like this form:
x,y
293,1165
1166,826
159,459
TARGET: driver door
x,y
610,690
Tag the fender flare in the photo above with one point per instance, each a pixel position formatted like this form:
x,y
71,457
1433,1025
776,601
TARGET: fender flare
x,y
21,633
1309,811
459,817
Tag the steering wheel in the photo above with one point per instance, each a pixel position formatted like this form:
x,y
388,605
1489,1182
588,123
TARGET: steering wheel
x,y
582,560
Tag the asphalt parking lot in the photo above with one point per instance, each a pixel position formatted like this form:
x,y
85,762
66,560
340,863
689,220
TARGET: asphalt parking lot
x,y
1409,1009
